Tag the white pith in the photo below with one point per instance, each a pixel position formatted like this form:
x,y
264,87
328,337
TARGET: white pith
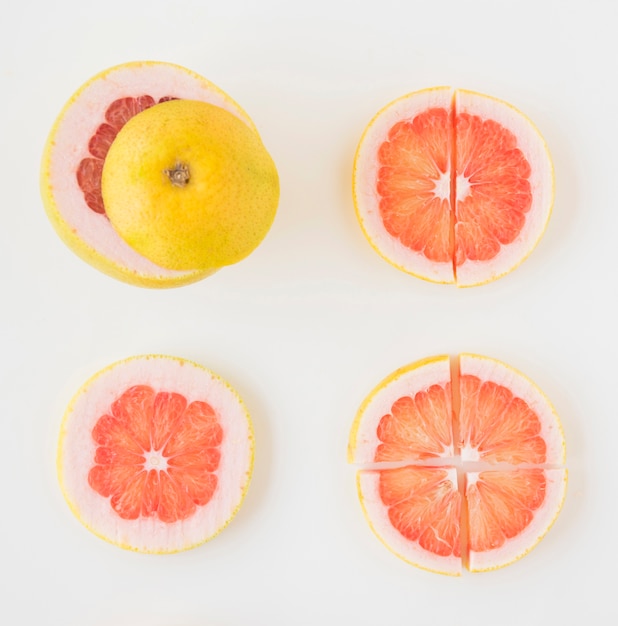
x,y
78,123
155,460
443,186
462,187
77,450
464,463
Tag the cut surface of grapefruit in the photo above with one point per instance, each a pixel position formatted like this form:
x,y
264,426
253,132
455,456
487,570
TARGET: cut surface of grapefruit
x,y
155,454
77,150
452,186
476,480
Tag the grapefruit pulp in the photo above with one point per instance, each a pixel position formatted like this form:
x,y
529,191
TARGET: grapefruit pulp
x,y
452,186
234,193
155,454
462,462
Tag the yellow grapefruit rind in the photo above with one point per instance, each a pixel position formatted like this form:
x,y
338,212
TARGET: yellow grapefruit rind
x,y
544,519
376,515
150,275
405,381
542,181
366,202
60,460
217,219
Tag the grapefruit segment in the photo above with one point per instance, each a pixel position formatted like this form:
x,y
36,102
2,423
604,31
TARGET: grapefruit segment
x,y
155,454
509,512
504,417
452,186
509,454
415,511
407,417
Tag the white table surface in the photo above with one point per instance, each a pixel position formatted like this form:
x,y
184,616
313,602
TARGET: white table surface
x,y
309,323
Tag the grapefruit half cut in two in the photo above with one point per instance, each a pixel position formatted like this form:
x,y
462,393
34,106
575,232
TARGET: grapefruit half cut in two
x,y
155,454
452,186
461,463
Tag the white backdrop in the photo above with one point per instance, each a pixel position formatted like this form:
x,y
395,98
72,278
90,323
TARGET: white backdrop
x,y
308,324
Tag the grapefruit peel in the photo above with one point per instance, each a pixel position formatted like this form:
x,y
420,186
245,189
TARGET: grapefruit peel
x,y
217,199
478,506
97,437
88,234
439,173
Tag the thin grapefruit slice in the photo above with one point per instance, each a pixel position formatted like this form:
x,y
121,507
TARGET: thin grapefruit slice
x,y
77,149
452,186
155,454
483,502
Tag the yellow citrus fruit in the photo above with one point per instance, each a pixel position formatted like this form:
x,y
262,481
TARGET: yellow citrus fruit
x,y
77,148
461,463
189,186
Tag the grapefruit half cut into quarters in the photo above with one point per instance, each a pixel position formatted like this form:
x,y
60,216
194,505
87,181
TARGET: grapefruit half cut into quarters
x,y
76,155
155,454
452,186
461,463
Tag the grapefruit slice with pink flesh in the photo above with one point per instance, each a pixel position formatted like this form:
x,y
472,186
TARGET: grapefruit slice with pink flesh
x,y
476,480
155,454
407,417
452,186
76,150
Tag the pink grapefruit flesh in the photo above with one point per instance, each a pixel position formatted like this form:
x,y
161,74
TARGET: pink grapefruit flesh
x,y
155,454
452,186
482,502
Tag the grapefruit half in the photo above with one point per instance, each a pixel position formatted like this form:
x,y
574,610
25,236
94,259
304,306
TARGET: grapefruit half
x,y
452,186
461,463
182,191
155,454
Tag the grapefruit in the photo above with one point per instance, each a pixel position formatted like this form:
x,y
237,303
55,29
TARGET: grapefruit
x,y
452,186
461,462
155,454
183,202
